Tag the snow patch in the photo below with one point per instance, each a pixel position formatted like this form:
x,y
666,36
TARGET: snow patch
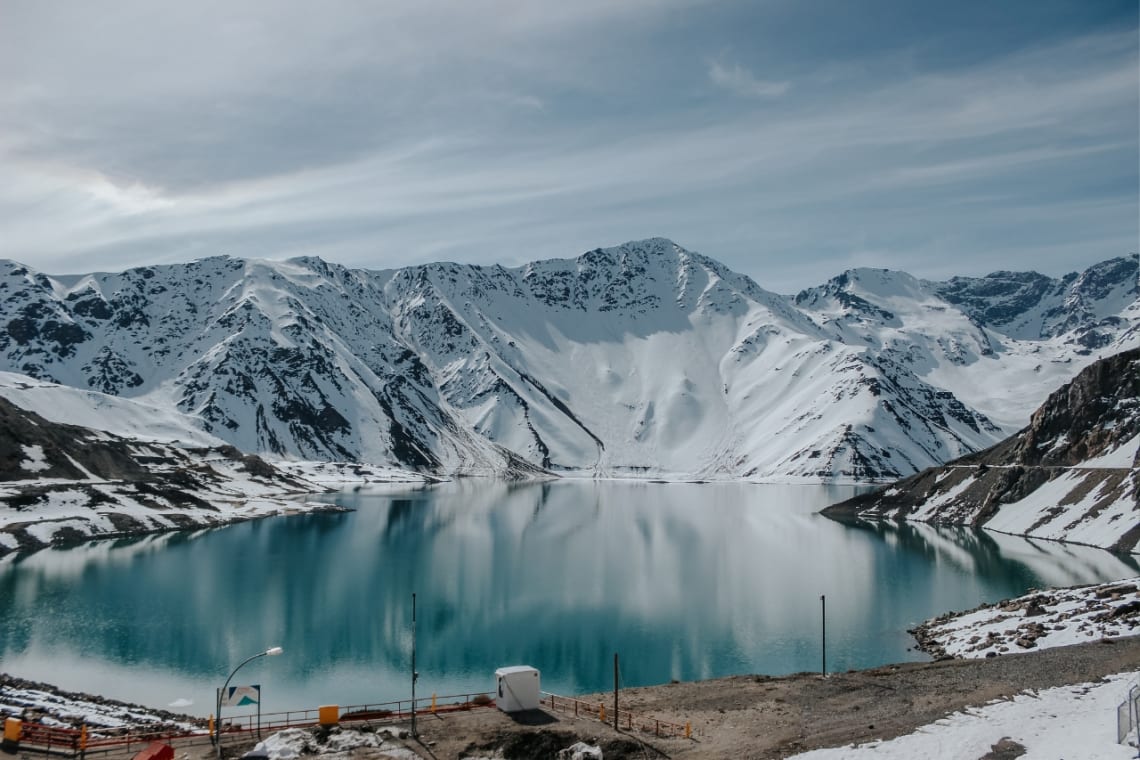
x,y
34,459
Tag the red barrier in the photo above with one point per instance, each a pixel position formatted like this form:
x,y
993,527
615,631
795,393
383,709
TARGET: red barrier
x,y
156,751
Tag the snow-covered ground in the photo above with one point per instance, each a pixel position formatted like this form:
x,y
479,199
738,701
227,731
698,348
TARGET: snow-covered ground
x,y
349,474
1038,620
1077,721
294,743
1067,722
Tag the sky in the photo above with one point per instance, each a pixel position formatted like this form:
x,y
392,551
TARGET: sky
x,y
789,139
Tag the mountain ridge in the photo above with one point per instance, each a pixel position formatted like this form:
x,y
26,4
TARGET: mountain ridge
x,y
642,359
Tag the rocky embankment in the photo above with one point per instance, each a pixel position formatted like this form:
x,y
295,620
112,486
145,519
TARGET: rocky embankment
x,y
1038,620
1073,474
40,702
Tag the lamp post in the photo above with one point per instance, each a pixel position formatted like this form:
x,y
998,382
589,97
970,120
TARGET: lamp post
x,y
218,722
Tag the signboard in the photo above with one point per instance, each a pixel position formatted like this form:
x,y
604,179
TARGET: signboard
x,y
241,696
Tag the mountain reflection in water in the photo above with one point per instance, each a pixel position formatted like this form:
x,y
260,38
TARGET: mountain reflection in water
x,y
685,581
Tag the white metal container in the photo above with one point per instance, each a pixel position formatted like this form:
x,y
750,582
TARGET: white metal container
x,y
517,688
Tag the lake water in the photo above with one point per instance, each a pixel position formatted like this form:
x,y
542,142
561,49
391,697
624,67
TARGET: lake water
x,y
684,581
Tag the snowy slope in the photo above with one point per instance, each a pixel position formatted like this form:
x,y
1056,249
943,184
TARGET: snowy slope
x,y
1072,474
62,482
640,360
100,411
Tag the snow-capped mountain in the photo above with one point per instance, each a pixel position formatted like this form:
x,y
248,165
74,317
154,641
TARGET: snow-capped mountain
x,y
644,359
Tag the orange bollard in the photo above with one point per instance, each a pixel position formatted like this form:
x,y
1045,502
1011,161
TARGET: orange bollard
x,y
13,728
688,730
602,712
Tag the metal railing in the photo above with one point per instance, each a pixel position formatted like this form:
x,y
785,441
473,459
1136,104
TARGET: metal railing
x,y
625,719
378,711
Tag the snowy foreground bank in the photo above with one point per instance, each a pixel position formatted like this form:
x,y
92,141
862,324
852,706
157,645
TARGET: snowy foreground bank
x,y
1077,721
1068,722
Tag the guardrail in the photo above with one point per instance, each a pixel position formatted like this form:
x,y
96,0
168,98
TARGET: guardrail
x,y
379,711
625,719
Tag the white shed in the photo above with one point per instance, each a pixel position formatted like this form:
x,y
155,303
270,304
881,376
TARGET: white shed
x,y
517,688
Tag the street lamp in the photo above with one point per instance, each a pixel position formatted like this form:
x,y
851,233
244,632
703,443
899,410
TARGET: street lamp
x,y
218,723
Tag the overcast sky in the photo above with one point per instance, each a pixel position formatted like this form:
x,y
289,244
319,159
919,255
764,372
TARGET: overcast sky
x,y
790,139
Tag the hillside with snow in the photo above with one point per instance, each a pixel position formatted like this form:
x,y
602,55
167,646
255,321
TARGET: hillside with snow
x,y
640,360
64,483
1072,474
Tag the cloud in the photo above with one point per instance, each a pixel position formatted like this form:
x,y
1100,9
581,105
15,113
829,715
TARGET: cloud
x,y
741,81
381,134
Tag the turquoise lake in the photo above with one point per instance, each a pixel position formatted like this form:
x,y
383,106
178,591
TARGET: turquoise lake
x,y
684,581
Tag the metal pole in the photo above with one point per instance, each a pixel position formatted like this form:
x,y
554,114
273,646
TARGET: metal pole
x,y
615,691
415,675
218,722
823,636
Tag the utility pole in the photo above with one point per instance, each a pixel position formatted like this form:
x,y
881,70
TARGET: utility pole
x,y
823,636
616,691
415,675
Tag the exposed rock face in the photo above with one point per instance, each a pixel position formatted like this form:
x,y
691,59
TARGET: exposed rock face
x,y
1071,474
1031,305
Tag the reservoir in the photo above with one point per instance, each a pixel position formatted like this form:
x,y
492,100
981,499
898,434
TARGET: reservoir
x,y
683,581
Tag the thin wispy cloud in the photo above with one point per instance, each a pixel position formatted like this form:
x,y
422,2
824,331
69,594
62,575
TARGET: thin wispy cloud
x,y
739,80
